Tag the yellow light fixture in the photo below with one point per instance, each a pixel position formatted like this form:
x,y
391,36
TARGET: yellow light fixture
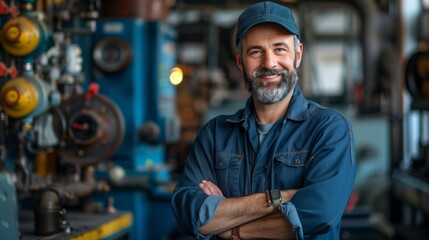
x,y
176,75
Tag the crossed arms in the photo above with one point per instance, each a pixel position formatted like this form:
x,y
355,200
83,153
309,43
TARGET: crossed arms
x,y
250,213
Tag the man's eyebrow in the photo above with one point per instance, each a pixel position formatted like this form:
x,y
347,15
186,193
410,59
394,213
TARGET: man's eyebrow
x,y
276,44
253,47
280,44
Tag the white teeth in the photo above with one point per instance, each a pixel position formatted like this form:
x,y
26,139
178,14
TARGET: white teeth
x,y
272,76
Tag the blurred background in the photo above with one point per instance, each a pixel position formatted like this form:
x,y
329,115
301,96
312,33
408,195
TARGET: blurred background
x,y
100,101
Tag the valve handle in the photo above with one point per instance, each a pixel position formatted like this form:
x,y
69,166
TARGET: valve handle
x,y
13,72
4,8
93,90
3,69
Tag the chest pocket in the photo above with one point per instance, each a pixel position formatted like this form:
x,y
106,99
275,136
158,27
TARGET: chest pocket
x,y
289,168
227,169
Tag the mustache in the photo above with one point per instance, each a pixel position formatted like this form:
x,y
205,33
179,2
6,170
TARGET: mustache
x,y
269,72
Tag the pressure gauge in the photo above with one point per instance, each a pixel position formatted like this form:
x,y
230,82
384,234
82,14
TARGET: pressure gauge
x,y
84,128
23,36
112,54
95,129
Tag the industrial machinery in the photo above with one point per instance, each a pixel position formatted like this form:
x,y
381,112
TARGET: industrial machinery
x,y
410,186
86,111
133,59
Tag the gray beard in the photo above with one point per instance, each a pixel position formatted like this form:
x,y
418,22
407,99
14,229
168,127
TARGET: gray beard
x,y
263,95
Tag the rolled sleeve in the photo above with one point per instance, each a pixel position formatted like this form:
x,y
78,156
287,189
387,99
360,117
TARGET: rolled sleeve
x,y
208,208
207,211
189,219
290,213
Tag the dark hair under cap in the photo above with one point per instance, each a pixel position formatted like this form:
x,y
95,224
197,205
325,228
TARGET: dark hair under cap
x,y
265,12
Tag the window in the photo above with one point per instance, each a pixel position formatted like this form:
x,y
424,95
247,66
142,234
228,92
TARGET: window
x,y
333,60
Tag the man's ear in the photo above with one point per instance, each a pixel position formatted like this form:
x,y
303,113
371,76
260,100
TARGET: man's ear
x,y
298,56
238,61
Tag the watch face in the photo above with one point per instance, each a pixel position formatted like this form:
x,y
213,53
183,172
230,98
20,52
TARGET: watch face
x,y
275,194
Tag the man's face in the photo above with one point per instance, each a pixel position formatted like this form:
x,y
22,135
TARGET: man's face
x,y
269,62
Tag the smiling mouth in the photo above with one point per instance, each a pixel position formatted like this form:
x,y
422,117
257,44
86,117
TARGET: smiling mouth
x,y
270,79
270,76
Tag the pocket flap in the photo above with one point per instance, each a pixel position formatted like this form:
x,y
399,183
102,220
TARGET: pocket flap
x,y
226,160
295,159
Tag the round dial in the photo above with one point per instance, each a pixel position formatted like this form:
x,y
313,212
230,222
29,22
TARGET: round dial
x,y
112,54
21,36
95,129
83,128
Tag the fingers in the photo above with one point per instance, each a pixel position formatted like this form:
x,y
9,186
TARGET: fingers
x,y
210,188
205,186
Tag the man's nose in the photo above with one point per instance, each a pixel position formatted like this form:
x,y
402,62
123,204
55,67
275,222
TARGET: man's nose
x,y
269,61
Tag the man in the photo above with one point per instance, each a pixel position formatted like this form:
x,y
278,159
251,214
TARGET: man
x,y
281,168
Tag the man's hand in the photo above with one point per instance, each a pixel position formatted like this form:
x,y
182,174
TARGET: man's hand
x,y
210,188
250,212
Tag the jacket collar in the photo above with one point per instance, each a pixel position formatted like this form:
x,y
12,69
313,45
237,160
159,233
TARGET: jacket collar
x,y
298,108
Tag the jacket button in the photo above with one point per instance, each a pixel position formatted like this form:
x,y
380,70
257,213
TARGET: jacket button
x,y
297,160
220,164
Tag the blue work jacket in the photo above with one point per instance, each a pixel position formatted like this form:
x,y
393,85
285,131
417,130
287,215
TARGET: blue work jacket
x,y
311,148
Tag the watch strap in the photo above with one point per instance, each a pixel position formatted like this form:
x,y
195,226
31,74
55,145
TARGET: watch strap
x,y
235,234
275,198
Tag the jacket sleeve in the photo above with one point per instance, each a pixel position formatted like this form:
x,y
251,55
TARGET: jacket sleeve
x,y
328,182
191,206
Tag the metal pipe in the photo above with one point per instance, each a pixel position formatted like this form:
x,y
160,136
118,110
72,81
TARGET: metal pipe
x,y
47,211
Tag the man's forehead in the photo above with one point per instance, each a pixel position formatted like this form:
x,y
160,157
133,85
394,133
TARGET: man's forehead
x,y
268,37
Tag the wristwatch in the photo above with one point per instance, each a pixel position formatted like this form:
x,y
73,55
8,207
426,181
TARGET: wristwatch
x,y
275,197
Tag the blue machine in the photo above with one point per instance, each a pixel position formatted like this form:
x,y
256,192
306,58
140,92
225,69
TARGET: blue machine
x,y
64,144
133,59
8,206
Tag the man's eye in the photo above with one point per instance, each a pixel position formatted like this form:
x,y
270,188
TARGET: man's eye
x,y
255,53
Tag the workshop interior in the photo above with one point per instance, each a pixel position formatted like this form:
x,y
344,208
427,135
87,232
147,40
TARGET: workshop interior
x,y
101,100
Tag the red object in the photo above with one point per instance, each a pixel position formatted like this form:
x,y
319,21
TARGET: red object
x,y
358,93
4,8
92,90
79,126
3,69
13,72
353,200
14,11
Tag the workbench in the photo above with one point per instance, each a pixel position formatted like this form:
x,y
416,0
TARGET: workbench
x,y
91,226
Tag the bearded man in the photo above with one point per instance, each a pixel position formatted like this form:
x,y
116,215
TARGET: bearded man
x,y
283,167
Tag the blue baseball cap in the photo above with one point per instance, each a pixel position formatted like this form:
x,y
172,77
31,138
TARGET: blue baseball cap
x,y
265,12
